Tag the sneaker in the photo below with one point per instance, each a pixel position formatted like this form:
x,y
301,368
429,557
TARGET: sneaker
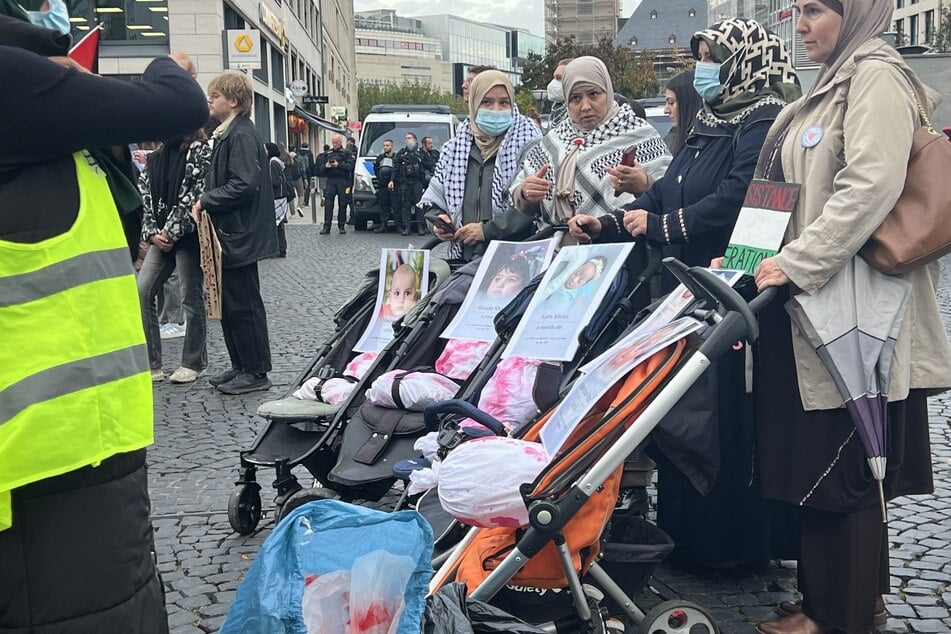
x,y
185,375
158,376
224,377
172,331
244,383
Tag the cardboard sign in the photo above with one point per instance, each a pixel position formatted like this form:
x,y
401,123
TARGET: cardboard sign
x,y
761,225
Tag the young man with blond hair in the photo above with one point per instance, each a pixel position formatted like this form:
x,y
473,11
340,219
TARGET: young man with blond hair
x,y
239,200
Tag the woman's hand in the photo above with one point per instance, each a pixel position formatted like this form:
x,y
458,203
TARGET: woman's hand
x,y
185,62
161,241
196,212
535,188
439,232
629,178
470,234
716,263
635,222
769,274
584,228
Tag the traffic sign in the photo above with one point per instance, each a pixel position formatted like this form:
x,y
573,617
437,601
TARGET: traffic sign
x,y
243,48
311,100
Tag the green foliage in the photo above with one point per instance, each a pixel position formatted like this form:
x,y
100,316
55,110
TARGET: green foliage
x,y
632,72
416,92
941,39
523,99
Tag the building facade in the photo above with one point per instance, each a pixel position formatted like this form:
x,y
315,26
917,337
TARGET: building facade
x,y
664,28
587,21
758,10
917,21
391,49
292,47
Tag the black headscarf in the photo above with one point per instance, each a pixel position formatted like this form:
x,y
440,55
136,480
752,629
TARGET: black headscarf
x,y
166,172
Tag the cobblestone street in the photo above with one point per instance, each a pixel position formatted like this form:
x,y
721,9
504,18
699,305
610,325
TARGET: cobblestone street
x,y
199,433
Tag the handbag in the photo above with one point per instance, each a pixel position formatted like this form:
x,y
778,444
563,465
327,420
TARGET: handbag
x,y
918,230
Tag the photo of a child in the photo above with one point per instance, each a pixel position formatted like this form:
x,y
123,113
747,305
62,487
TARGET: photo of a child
x,y
565,294
403,281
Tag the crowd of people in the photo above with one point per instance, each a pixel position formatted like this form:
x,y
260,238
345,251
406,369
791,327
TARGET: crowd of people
x,y
212,201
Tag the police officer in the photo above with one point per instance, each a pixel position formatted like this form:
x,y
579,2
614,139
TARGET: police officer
x,y
430,159
337,165
387,196
408,178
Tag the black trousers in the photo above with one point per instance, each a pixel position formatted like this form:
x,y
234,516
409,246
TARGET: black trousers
x,y
410,193
281,238
79,555
243,320
843,566
389,200
338,188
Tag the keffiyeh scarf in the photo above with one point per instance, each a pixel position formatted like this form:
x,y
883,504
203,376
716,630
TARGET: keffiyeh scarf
x,y
448,185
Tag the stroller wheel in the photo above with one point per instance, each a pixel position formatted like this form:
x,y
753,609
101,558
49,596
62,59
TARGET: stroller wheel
x,y
303,497
244,508
678,617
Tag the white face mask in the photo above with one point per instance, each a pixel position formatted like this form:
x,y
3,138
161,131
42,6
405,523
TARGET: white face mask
x,y
56,19
556,92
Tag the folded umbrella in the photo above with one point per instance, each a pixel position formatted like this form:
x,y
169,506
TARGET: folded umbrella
x,y
853,322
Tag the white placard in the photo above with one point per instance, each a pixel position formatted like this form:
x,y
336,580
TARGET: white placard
x,y
403,281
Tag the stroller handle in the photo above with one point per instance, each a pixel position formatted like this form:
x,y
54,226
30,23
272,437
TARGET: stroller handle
x,y
460,408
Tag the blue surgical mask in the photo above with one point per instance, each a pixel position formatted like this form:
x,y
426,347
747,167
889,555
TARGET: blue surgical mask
x,y
706,80
494,122
56,19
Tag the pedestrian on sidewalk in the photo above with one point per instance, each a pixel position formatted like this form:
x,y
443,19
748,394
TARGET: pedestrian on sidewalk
x,y
337,166
409,174
305,160
240,201
294,176
283,194
76,541
808,452
173,179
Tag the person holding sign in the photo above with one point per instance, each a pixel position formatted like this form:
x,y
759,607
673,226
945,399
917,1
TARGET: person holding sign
x,y
745,77
847,145
470,184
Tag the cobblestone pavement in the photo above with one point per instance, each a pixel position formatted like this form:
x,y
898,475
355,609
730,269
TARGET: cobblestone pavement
x,y
199,433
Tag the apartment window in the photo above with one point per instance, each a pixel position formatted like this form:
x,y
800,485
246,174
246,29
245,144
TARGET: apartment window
x,y
691,13
913,30
123,21
899,4
233,19
929,26
632,41
261,73
653,15
585,8
672,39
262,116
277,71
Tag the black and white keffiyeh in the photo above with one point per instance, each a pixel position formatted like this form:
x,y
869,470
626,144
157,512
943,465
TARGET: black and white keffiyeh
x,y
448,185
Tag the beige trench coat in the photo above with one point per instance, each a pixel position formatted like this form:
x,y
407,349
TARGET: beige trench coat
x,y
850,181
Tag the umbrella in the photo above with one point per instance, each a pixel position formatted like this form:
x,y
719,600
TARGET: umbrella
x,y
853,322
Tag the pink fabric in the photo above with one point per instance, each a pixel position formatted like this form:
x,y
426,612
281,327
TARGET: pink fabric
x,y
508,394
417,389
336,391
460,357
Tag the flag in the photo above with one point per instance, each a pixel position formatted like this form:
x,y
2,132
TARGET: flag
x,y
86,51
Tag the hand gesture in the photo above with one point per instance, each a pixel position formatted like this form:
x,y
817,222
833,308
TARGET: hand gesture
x,y
584,228
185,62
196,212
629,178
535,188
635,222
469,234
161,241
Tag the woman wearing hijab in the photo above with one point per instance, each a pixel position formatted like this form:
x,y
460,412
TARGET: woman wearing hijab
x,y
471,180
745,79
567,172
831,142
174,178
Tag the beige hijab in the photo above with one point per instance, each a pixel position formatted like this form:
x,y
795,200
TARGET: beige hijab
x,y
581,71
483,83
862,20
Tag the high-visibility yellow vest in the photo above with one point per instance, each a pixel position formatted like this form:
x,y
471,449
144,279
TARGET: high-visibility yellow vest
x,y
75,387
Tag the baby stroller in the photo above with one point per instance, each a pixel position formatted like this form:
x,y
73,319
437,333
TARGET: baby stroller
x,y
379,440
570,504
303,432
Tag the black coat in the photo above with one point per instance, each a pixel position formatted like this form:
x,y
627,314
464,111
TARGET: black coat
x,y
707,180
239,196
345,163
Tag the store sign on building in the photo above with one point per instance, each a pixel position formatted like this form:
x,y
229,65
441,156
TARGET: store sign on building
x,y
243,48
298,87
274,23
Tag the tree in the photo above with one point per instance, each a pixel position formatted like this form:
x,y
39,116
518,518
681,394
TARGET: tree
x,y
416,92
941,38
632,72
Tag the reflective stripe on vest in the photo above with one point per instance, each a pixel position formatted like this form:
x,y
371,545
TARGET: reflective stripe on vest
x,y
74,381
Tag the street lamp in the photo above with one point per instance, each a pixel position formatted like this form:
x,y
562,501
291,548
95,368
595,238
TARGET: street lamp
x,y
539,96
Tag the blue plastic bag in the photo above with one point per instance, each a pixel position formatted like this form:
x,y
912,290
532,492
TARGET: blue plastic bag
x,y
322,537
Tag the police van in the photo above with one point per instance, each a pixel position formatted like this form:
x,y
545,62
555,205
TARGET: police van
x,y
393,121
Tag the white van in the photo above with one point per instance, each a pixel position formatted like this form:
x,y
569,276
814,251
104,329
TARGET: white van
x,y
393,121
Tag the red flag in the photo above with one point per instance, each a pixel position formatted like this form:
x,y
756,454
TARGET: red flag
x,y
86,51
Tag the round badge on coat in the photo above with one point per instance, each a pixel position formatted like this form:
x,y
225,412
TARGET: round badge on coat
x,y
812,136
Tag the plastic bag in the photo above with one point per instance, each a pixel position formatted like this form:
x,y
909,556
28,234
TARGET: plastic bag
x,y
335,391
508,394
422,480
479,480
460,357
448,611
379,580
428,446
417,389
326,603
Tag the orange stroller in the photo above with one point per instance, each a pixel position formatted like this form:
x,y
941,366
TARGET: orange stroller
x,y
571,502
